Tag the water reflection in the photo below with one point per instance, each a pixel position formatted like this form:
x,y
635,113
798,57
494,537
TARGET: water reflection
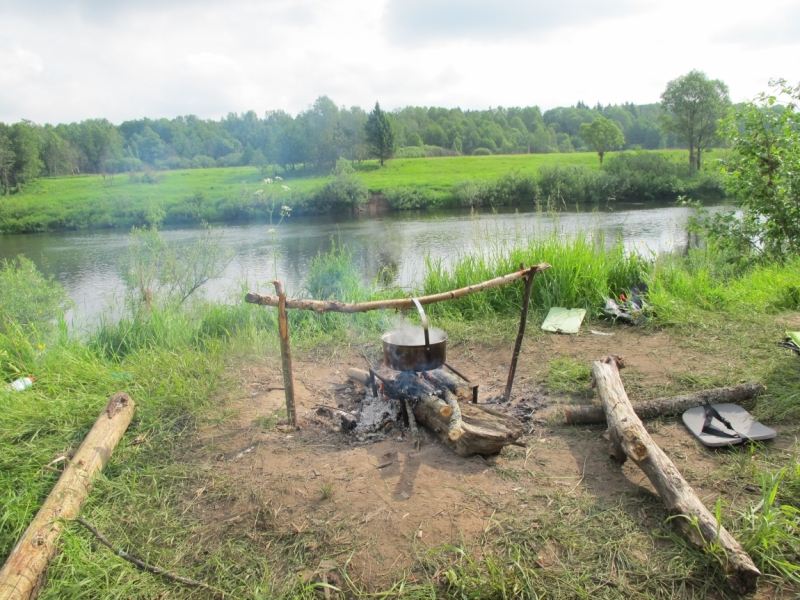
x,y
391,247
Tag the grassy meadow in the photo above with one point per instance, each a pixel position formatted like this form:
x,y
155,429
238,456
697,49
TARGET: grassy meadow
x,y
180,363
229,194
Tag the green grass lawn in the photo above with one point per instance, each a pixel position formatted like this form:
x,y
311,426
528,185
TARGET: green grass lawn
x,y
91,201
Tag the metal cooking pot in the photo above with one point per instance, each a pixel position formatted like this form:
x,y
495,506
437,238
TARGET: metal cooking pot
x,y
415,350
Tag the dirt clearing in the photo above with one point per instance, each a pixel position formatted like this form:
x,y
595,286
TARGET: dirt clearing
x,y
327,499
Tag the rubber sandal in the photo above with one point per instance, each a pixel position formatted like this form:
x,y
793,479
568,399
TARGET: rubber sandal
x,y
717,425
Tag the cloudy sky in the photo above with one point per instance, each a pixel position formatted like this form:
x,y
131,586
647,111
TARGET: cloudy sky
x,y
69,60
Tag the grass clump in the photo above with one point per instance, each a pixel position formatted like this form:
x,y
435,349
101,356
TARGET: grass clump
x,y
584,271
569,376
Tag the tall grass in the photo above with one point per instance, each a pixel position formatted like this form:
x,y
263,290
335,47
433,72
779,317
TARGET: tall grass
x,y
584,271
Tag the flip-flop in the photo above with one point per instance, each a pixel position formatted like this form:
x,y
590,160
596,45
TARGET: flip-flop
x,y
717,425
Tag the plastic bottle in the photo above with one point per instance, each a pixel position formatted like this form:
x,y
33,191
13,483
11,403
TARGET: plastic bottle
x,y
22,384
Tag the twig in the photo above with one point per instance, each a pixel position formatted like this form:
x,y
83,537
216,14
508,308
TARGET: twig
x,y
139,563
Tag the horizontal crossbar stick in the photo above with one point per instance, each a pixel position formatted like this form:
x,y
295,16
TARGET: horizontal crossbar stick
x,y
396,303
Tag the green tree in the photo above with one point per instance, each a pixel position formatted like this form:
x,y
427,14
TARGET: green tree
x,y
25,145
692,107
763,173
381,134
7,159
603,135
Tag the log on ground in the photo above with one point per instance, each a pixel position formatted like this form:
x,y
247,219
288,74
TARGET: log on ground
x,y
666,407
484,431
630,439
23,574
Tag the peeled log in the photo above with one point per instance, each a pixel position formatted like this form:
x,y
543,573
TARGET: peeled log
x,y
23,575
664,407
630,439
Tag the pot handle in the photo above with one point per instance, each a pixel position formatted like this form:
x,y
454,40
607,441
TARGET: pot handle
x,y
424,320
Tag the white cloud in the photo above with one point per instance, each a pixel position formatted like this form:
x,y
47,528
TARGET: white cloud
x,y
79,59
18,65
411,22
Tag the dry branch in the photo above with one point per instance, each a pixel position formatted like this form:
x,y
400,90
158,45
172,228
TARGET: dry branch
x,y
663,407
140,563
630,439
23,575
397,303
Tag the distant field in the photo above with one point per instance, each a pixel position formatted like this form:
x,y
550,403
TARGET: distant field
x,y
89,201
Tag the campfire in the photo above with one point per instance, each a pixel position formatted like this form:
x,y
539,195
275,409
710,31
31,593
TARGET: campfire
x,y
416,385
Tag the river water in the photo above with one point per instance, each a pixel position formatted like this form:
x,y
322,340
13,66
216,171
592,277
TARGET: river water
x,y
87,264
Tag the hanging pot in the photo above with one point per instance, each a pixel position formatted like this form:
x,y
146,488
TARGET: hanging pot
x,y
415,348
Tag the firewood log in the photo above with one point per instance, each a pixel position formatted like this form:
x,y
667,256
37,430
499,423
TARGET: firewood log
x,y
630,439
23,574
664,407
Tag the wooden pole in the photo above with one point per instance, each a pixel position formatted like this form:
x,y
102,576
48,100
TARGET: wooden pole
x,y
512,369
286,354
23,575
664,407
397,303
629,439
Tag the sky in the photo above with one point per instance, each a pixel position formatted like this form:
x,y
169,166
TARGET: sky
x,y
69,60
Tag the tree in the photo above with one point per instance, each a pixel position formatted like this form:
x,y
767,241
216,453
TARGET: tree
x,y
692,108
381,134
25,145
7,159
603,135
763,173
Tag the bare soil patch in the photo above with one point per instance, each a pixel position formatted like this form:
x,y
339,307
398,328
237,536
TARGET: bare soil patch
x,y
379,505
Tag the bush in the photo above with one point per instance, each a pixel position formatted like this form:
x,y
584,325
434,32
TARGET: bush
x,y
561,184
30,308
763,173
470,193
424,152
644,176
345,191
202,162
403,198
481,152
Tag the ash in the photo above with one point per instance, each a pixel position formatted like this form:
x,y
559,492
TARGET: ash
x,y
378,413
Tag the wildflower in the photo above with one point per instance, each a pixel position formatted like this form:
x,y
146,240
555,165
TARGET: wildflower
x,y
40,347
278,178
285,188
268,180
258,192
286,211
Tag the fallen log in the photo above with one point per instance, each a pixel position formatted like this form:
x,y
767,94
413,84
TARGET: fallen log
x,y
665,407
483,431
23,574
396,303
629,439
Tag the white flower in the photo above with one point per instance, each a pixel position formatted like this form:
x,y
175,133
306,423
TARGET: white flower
x,y
278,178
259,192
285,188
286,208
268,180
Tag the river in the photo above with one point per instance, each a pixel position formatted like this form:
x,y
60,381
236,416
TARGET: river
x,y
87,264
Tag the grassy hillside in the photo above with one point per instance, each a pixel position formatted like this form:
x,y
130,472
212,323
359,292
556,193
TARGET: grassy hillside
x,y
91,201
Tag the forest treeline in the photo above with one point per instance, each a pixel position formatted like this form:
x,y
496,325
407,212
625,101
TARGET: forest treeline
x,y
315,138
